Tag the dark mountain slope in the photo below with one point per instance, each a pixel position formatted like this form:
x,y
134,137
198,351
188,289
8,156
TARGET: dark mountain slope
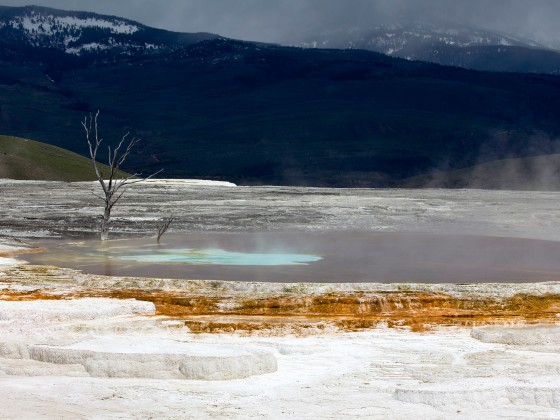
x,y
261,114
210,107
497,58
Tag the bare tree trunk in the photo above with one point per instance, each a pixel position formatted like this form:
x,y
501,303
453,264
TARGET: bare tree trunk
x,y
113,188
105,224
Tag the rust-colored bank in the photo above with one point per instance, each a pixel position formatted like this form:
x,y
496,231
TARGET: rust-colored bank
x,y
218,306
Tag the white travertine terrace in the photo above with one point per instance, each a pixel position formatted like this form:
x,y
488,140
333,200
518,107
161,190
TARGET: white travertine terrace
x,y
145,367
113,358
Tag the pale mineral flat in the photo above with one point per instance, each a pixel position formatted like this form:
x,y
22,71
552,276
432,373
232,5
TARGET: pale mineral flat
x,y
103,358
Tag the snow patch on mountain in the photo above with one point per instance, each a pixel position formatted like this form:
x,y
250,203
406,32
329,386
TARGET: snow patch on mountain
x,y
117,27
38,25
92,46
78,34
400,39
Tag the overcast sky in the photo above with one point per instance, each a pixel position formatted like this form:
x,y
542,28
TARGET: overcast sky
x,y
282,20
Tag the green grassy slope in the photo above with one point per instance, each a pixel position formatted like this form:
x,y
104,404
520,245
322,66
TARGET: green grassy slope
x,y
28,159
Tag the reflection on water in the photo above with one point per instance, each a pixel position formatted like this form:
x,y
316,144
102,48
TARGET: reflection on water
x,y
315,257
210,256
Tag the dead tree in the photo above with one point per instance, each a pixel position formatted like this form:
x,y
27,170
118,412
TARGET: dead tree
x,y
113,187
163,227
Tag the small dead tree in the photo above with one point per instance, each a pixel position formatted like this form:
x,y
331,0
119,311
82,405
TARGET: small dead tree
x,y
163,227
113,187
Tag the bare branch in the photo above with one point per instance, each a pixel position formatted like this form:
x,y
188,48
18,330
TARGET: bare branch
x,y
98,196
163,228
118,197
90,127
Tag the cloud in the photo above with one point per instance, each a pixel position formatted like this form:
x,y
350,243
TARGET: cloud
x,y
279,21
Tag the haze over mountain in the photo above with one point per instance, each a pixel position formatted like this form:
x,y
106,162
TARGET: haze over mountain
x,y
86,34
289,21
210,107
444,43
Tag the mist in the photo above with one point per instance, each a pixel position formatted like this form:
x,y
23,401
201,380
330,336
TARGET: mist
x,y
289,20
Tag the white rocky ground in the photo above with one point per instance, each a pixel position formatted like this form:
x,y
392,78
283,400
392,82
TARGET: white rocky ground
x,y
102,358
112,359
36,209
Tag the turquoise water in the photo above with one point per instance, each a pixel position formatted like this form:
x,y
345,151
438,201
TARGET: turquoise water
x,y
212,256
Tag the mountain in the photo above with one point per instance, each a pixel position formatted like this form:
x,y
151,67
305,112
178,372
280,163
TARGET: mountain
x,y
82,37
445,43
266,114
28,159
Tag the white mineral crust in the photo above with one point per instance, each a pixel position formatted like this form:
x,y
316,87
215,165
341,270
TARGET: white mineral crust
x,y
113,359
108,358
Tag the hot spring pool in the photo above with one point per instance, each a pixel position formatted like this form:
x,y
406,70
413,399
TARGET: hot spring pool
x,y
314,257
210,256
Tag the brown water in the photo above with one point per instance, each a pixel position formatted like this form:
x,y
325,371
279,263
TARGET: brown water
x,y
344,257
